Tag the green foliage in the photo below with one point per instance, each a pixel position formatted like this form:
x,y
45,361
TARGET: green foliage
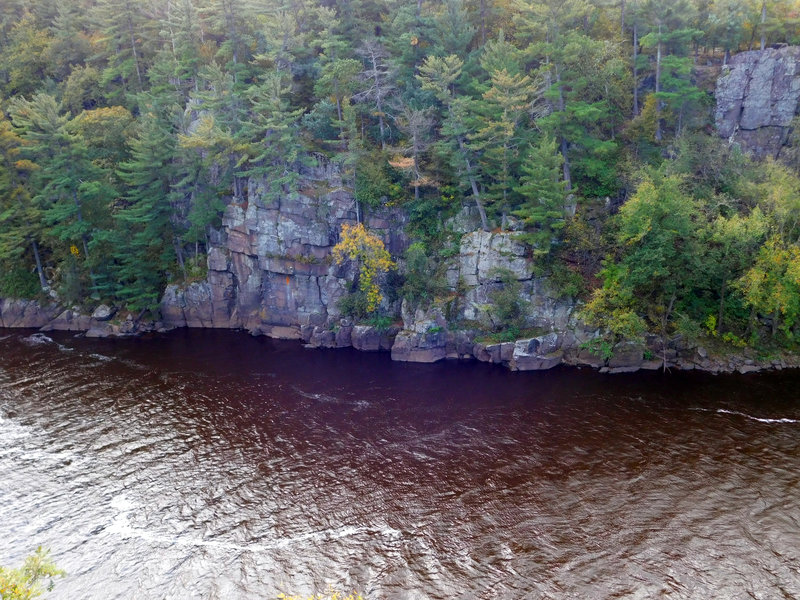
x,y
131,127
567,282
599,347
148,252
374,184
508,308
422,283
17,282
26,582
544,197
354,304
659,263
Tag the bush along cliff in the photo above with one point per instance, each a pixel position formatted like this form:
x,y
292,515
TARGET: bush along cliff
x,y
545,182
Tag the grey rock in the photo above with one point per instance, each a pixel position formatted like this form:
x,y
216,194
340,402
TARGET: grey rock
x,y
322,338
536,354
69,320
410,346
365,337
483,254
757,98
26,313
103,313
626,355
217,261
101,330
344,336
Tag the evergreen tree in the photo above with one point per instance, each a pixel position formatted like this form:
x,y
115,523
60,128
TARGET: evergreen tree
x,y
20,218
147,254
73,192
543,195
270,137
439,76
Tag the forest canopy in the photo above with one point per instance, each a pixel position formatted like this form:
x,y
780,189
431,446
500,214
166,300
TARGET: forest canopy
x,y
127,126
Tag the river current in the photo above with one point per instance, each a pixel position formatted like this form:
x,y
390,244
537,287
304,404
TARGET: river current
x,y
203,464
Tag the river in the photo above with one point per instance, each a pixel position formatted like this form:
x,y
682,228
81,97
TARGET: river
x,y
209,464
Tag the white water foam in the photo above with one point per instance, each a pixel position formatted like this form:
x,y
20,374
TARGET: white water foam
x,y
725,411
122,527
37,339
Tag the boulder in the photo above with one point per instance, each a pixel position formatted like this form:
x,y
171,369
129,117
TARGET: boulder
x,y
626,357
101,330
171,307
537,354
322,337
103,313
365,337
69,320
410,346
344,334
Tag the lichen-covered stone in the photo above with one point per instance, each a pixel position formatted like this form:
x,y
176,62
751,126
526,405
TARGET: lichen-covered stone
x,y
757,98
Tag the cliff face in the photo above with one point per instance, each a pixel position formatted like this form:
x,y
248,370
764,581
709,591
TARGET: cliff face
x,y
757,98
270,272
269,269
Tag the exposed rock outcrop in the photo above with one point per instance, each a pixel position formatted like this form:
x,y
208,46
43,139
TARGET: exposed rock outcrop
x,y
270,268
26,313
757,98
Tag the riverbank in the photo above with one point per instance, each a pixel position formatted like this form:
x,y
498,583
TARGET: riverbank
x,y
425,338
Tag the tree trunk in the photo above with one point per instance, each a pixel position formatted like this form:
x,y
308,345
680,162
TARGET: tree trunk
x,y
179,254
483,22
763,22
563,140
474,185
80,220
658,86
635,70
39,270
416,174
133,50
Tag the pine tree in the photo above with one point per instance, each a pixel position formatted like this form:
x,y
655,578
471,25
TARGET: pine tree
x,y
20,217
499,134
270,137
439,76
543,195
147,254
72,191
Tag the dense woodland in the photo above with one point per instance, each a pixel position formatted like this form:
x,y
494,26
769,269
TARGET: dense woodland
x,y
126,126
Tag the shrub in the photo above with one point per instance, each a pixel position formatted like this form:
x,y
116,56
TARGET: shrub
x,y
26,582
508,308
18,283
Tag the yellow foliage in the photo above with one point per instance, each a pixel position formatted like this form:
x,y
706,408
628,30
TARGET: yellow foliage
x,y
367,249
402,162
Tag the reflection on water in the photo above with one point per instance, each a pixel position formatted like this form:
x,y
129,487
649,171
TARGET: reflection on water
x,y
215,465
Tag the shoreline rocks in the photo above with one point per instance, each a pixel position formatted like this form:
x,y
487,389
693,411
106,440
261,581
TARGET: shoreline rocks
x,y
426,340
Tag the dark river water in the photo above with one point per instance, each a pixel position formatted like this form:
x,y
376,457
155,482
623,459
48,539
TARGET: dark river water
x,y
216,465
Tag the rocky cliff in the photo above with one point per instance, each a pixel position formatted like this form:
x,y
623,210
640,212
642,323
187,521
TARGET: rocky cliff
x,y
757,98
270,268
